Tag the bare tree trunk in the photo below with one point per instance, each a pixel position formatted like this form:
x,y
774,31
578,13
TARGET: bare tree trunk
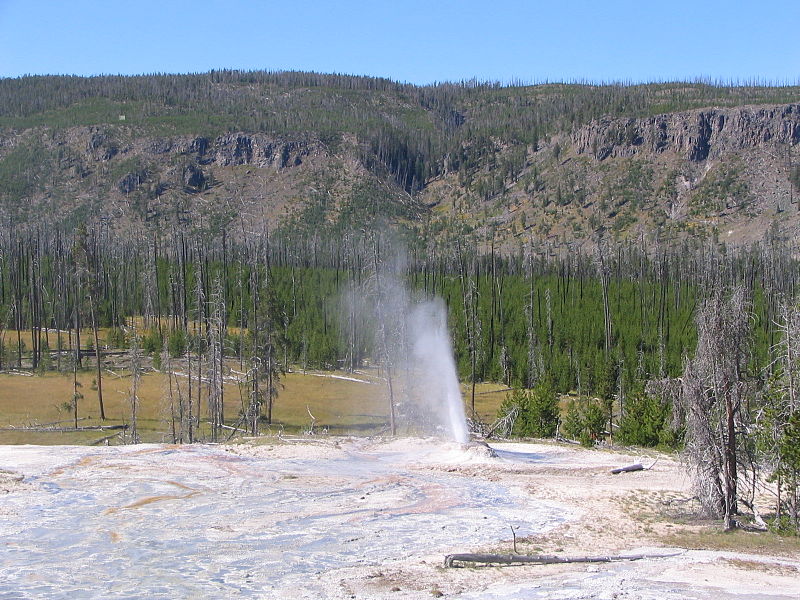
x,y
254,405
731,478
190,398
135,357
97,358
76,395
216,336
174,418
384,335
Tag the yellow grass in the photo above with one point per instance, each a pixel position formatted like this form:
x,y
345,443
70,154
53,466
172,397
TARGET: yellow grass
x,y
324,399
338,405
44,399
168,323
488,397
9,338
712,538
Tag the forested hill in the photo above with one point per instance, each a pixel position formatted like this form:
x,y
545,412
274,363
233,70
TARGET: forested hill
x,y
240,150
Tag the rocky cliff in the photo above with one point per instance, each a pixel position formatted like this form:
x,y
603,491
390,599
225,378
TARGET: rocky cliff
x,y
695,135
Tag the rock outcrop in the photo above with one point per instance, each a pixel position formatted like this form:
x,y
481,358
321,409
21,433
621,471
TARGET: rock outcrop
x,y
259,150
695,135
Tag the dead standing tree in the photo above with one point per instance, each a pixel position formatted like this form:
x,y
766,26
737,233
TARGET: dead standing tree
x,y
255,399
265,329
472,322
713,391
85,256
535,361
383,314
136,365
216,337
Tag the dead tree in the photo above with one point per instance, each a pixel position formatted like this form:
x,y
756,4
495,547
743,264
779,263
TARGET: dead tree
x,y
266,330
188,422
535,363
135,362
382,316
456,560
605,276
216,324
255,395
200,319
86,263
76,395
713,392
472,323
168,398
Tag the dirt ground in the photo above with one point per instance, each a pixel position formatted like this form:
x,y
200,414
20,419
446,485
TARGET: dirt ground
x,y
359,518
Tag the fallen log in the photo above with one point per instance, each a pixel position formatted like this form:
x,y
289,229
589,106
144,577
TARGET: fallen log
x,y
36,429
15,372
95,428
628,469
564,440
41,425
760,524
542,559
234,429
634,467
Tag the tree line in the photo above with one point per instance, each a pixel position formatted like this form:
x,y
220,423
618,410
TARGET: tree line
x,y
583,320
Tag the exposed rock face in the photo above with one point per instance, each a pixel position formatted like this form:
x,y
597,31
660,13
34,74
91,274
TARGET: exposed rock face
x,y
701,171
101,146
697,135
193,178
259,150
199,146
131,181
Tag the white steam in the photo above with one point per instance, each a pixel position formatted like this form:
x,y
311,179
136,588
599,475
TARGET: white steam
x,y
434,369
412,345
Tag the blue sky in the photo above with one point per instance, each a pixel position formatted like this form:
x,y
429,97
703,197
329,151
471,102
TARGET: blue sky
x,y
413,40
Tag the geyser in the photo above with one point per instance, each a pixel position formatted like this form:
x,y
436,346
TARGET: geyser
x,y
435,370
412,345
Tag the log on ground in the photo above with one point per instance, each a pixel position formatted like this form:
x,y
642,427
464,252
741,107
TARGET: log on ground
x,y
541,559
628,469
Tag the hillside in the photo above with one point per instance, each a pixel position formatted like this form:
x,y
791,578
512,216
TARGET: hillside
x,y
242,151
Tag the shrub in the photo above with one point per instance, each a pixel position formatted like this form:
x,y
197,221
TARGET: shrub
x,y
116,338
573,421
644,422
152,342
176,345
586,425
595,419
538,414
45,360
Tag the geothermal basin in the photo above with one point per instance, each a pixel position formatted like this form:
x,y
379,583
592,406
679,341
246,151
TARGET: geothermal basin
x,y
162,521
347,518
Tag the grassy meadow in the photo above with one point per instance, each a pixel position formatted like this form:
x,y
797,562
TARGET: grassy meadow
x,y
31,402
